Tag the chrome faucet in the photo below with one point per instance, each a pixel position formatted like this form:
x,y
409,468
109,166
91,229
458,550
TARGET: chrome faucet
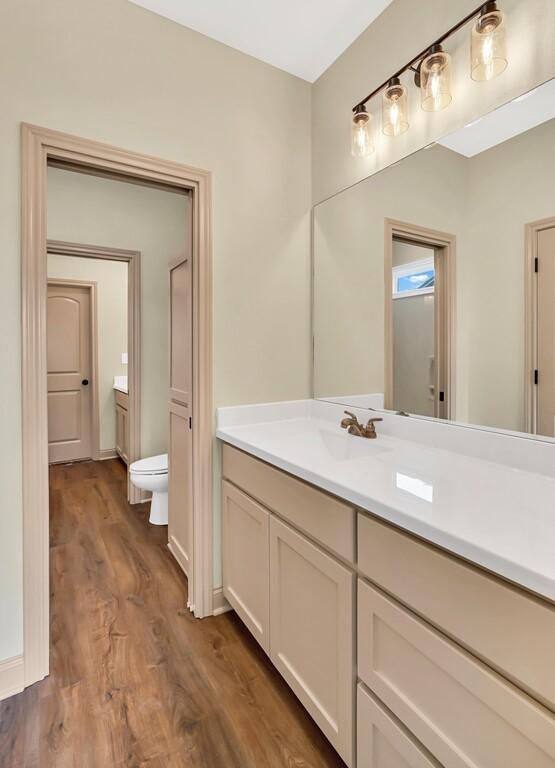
x,y
354,427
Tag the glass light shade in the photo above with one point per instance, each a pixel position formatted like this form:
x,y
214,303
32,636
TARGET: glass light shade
x,y
394,109
488,45
361,136
435,81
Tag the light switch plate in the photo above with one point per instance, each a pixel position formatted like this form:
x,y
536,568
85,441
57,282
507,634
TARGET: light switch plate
x,y
124,358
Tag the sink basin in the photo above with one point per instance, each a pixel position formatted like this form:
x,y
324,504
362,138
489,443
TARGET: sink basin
x,y
344,447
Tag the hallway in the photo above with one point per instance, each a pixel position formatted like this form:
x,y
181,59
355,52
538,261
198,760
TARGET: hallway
x,y
135,679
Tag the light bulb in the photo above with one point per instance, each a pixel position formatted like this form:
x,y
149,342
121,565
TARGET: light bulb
x,y
488,44
394,109
361,139
434,78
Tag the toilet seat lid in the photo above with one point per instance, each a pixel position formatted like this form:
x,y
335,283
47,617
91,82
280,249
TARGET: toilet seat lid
x,y
153,465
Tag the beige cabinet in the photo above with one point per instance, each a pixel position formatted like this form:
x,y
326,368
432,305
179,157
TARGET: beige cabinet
x,y
382,741
454,666
311,631
122,425
465,714
501,624
246,560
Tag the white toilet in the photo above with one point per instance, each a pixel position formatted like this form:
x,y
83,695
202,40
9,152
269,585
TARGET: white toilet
x,y
152,475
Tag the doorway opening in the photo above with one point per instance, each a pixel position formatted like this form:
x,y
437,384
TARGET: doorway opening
x,y
419,320
118,271
539,367
40,148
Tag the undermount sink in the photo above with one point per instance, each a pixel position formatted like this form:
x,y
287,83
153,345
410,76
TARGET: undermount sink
x,y
344,447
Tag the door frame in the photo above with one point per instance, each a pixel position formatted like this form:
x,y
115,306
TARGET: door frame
x,y
531,231
133,261
38,146
95,416
444,310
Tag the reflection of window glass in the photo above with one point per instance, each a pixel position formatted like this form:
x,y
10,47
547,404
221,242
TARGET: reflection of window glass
x,y
413,279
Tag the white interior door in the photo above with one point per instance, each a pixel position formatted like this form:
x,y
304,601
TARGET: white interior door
x,y
180,444
69,369
545,394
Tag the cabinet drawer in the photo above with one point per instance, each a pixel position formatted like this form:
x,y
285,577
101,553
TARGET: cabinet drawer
x,y
246,560
463,713
382,741
311,631
511,630
326,519
122,400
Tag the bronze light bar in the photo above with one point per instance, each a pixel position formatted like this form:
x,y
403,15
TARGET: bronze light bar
x,y
481,9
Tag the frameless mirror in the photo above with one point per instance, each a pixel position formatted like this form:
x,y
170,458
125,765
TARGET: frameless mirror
x,y
434,279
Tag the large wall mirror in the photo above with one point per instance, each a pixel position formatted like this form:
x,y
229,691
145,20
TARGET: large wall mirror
x,y
434,279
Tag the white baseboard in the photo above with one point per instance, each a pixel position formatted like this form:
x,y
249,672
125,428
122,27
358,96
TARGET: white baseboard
x,y
107,453
11,677
219,603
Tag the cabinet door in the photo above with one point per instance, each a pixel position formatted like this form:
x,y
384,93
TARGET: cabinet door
x,y
382,741
311,631
120,431
180,532
125,437
246,560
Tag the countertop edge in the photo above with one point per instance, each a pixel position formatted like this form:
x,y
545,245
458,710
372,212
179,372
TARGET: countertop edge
x,y
515,574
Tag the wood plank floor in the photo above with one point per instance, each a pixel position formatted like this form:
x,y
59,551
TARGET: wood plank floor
x,y
135,679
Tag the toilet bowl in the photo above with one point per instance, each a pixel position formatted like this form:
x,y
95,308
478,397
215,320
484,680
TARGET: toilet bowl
x,y
152,475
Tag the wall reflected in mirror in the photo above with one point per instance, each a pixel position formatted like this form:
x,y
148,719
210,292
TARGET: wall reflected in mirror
x,y
434,279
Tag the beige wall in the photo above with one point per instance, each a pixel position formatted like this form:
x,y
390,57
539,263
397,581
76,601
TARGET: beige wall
x,y
402,30
111,302
101,211
111,71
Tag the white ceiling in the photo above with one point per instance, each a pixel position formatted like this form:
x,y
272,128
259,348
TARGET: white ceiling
x,y
302,37
519,115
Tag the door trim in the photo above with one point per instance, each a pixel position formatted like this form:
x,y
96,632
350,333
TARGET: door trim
x,y
133,261
531,231
95,415
38,145
444,313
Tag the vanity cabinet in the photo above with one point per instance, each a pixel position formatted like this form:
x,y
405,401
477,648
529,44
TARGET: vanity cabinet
x,y
439,663
246,560
311,630
288,570
122,425
504,626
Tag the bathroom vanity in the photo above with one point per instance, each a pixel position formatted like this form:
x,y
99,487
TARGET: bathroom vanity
x,y
404,587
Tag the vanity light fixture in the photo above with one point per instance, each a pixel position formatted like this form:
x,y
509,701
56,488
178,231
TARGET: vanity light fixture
x,y
361,138
434,78
394,108
432,68
488,44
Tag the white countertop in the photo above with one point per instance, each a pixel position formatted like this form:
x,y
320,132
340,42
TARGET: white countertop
x,y
120,383
497,515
